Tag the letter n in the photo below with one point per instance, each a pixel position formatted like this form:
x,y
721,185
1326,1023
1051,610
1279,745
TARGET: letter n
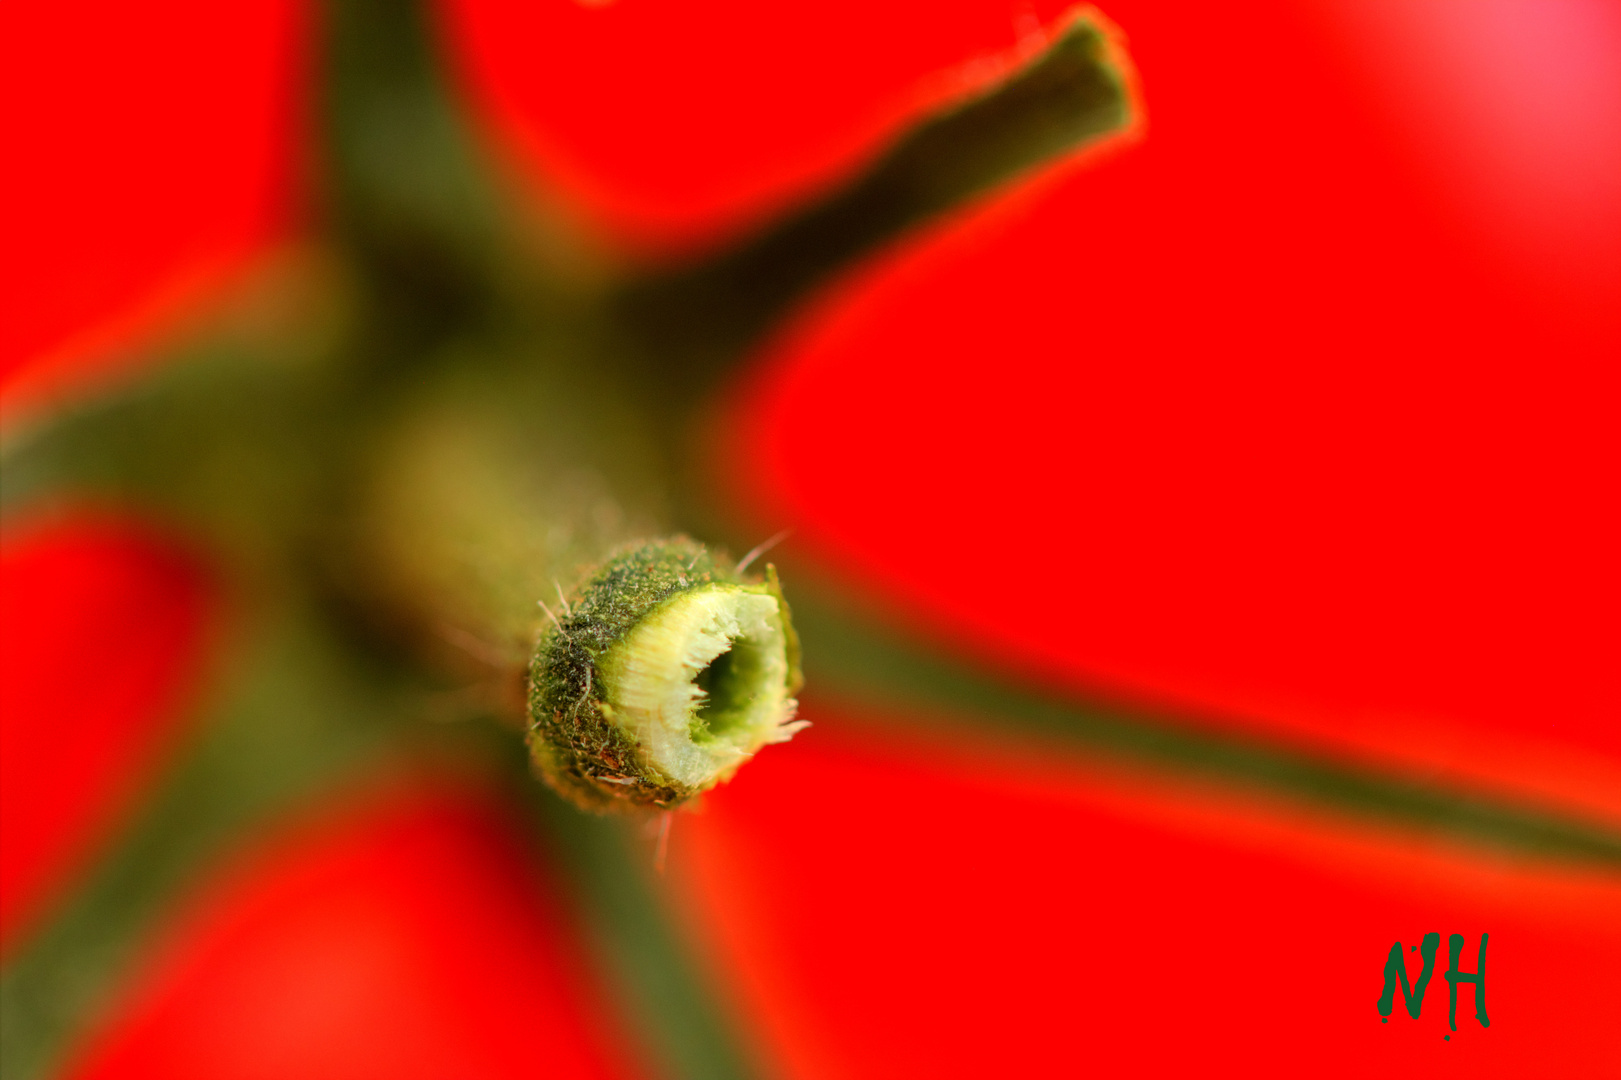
x,y
1396,975
1454,977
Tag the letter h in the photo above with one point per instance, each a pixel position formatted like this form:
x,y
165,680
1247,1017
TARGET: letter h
x,y
1454,977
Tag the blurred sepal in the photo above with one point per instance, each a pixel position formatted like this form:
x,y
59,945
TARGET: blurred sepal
x,y
225,434
1239,424
1010,910
679,128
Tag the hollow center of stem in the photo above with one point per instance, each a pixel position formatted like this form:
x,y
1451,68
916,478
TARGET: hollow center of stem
x,y
702,682
717,709
731,685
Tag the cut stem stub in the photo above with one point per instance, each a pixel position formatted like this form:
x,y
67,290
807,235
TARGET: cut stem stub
x,y
666,673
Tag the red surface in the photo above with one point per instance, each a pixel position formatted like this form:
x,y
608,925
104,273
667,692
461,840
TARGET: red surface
x,y
148,156
886,906
1270,415
406,937
671,121
102,632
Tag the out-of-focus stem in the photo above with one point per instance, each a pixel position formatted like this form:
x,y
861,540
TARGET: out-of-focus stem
x,y
696,322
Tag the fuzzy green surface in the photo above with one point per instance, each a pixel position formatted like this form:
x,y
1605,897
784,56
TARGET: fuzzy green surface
x,y
640,606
